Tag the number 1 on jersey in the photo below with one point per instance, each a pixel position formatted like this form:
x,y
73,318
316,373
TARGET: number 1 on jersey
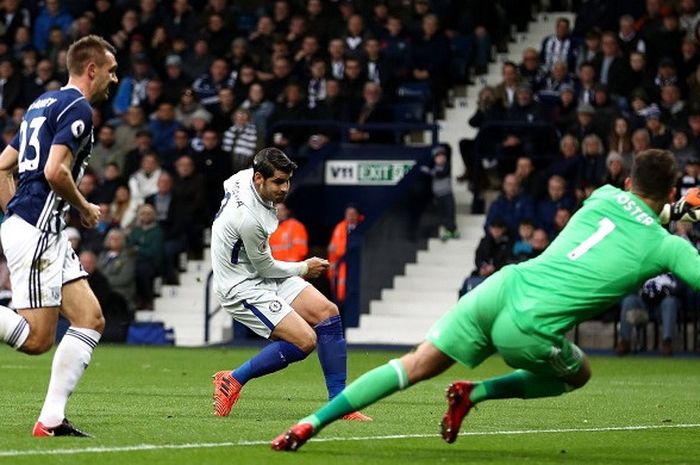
x,y
605,227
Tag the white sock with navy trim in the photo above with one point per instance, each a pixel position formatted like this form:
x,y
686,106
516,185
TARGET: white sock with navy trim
x,y
71,359
14,329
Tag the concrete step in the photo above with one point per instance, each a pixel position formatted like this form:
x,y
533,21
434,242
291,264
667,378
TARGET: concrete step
x,y
400,296
421,309
421,283
436,271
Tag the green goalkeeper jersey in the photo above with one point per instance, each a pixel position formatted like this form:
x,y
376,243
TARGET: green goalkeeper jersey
x,y
609,248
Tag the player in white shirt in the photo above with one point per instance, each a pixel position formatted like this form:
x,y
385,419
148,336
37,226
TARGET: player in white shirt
x,y
267,295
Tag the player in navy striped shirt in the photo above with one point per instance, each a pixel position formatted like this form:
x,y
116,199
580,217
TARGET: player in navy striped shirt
x,y
50,151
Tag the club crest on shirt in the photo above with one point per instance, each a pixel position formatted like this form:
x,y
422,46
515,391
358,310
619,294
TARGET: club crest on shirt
x,y
77,128
275,306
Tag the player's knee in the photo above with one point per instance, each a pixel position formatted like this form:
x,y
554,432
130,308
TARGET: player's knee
x,y
37,345
307,343
329,310
95,321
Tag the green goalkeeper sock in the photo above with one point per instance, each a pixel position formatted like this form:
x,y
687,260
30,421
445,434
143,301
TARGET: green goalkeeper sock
x,y
367,389
521,384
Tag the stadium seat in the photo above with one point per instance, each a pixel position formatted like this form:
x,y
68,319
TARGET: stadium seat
x,y
408,112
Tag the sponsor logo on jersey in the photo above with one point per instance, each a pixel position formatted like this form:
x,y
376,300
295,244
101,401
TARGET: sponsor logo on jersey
x,y
275,306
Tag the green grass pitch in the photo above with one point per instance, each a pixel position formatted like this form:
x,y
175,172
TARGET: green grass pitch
x,y
152,406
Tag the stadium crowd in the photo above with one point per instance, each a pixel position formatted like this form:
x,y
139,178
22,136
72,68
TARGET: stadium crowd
x,y
204,84
623,78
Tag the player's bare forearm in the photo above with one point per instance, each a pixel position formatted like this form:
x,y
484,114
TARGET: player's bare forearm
x,y
8,165
58,175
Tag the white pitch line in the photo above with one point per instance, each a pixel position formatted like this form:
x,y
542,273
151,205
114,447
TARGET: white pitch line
x,y
210,445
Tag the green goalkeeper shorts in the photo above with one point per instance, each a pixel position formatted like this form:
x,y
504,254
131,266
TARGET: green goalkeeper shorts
x,y
480,325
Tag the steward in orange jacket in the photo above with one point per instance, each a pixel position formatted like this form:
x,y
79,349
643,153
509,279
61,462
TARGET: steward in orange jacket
x,y
336,252
290,242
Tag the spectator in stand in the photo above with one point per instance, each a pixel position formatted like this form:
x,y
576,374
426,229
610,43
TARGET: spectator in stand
x,y
505,90
305,56
355,37
207,86
522,249
430,58
616,173
563,215
336,58
610,66
628,40
568,164
492,254
51,15
585,122
163,127
658,296
558,77
144,182
222,112
181,147
337,248
317,21
641,140
146,240
531,70
316,86
105,150
559,46
556,198
11,91
246,77
144,145
123,208
36,84
659,133
109,181
690,177
372,111
125,134
13,17
188,105
132,87
620,138
280,78
190,188
680,146
171,217
215,165
353,82
689,59
665,75
114,307
376,65
585,84
396,46
260,41
154,97
688,17
592,168
293,108
565,113
589,50
674,111
639,80
117,265
241,141
259,107
93,239
290,241
441,184
197,60
174,81
511,206
525,172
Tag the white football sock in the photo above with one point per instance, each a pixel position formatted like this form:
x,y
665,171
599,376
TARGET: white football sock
x,y
69,362
14,329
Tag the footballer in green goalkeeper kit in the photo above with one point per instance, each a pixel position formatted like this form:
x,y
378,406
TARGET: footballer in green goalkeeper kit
x,y
612,245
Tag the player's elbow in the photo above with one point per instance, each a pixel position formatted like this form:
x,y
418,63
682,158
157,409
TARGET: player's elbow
x,y
53,174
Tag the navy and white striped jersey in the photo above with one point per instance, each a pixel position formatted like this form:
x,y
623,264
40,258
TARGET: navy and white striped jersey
x,y
61,117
